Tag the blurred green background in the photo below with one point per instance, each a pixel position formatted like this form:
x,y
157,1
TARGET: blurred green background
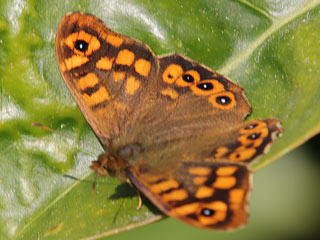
x,y
269,47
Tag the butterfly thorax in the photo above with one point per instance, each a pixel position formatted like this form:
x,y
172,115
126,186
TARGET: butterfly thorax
x,y
114,162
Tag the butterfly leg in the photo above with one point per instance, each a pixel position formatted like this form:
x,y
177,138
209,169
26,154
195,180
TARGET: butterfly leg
x,y
94,183
138,193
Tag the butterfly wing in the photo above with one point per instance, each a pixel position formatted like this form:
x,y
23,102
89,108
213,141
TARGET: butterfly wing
x,y
200,113
246,142
202,194
192,100
206,183
108,74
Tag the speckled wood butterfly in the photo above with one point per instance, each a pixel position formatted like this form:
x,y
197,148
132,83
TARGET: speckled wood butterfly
x,y
171,126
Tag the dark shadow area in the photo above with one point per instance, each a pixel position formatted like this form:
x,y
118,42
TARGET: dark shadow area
x,y
150,206
124,190
313,146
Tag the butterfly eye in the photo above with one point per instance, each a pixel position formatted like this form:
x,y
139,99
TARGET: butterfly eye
x,y
207,212
254,136
251,126
188,78
81,45
205,86
212,213
224,100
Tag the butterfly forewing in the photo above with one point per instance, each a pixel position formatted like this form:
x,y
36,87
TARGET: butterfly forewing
x,y
107,73
193,100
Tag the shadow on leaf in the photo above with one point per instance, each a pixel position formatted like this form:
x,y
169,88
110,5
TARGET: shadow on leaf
x,y
124,190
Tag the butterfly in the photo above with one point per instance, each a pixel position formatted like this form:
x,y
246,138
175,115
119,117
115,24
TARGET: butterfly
x,y
172,127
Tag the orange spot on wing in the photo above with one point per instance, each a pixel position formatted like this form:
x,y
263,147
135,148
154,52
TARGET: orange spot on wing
x,y
204,192
170,93
89,80
258,134
242,154
118,76
217,206
132,85
114,40
202,171
220,152
151,179
225,182
185,209
75,61
171,73
235,206
175,195
97,97
125,57
69,41
219,216
199,180
226,171
164,186
142,67
236,195
245,142
84,36
105,63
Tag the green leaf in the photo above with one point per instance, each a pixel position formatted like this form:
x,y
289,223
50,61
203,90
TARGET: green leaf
x,y
269,48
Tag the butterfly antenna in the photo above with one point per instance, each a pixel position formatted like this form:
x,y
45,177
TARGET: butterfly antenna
x,y
40,125
71,177
44,127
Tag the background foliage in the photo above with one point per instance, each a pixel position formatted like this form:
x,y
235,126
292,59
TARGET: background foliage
x,y
270,47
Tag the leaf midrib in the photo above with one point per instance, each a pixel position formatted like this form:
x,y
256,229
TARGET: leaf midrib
x,y
241,57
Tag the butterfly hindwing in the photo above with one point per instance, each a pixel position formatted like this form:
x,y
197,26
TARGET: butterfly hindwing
x,y
202,194
247,142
